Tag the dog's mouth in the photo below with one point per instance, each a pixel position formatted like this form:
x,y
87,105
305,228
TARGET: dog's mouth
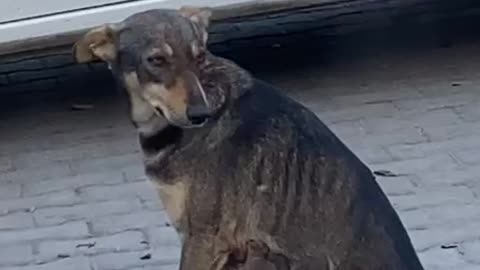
x,y
194,121
159,112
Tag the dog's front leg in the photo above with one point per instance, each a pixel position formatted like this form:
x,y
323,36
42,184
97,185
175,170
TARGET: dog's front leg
x,y
197,252
259,257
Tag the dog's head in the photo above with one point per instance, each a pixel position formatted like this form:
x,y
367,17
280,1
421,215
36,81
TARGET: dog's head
x,y
157,55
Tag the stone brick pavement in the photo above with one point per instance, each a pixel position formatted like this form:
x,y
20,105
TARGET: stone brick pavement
x,y
73,195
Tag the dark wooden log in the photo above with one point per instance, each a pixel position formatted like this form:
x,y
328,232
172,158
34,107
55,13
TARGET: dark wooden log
x,y
328,19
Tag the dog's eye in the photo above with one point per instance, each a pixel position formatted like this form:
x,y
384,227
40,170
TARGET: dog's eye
x,y
156,60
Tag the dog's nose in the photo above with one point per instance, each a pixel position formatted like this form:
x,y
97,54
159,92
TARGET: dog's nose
x,y
198,114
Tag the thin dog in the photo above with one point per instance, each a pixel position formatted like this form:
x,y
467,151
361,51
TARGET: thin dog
x,y
250,178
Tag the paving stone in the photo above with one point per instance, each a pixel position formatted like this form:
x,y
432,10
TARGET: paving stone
x,y
383,96
436,102
347,129
134,173
137,220
163,236
79,263
469,156
383,125
140,189
372,155
441,215
450,259
432,118
470,112
16,221
61,198
79,152
113,163
10,191
113,261
444,235
154,205
159,267
447,132
58,215
470,251
55,170
20,254
121,242
432,163
395,186
454,176
407,119
65,231
73,182
434,197
377,110
425,149
408,136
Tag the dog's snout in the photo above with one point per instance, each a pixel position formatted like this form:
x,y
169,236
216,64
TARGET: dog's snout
x,y
198,114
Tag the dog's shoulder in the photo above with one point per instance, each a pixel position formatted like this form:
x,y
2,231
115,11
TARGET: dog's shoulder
x,y
266,108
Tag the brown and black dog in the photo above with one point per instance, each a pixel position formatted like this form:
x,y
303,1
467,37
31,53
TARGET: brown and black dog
x,y
250,178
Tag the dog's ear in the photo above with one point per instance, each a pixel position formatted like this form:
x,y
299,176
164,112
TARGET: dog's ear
x,y
199,15
98,43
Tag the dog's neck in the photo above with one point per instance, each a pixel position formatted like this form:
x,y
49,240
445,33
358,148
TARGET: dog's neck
x,y
221,78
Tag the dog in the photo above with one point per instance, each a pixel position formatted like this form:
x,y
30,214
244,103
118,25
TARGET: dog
x,y
250,178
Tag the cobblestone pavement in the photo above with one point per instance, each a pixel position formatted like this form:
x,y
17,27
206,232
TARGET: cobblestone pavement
x,y
73,195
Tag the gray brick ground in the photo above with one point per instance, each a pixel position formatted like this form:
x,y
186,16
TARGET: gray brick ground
x,y
395,186
121,242
435,237
471,250
79,175
158,267
68,230
73,182
53,199
136,220
54,170
16,221
162,236
10,191
58,215
141,189
80,263
450,259
20,254
425,198
441,215
426,149
447,132
165,255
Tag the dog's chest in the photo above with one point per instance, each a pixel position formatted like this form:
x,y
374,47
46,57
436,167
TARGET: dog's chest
x,y
173,197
